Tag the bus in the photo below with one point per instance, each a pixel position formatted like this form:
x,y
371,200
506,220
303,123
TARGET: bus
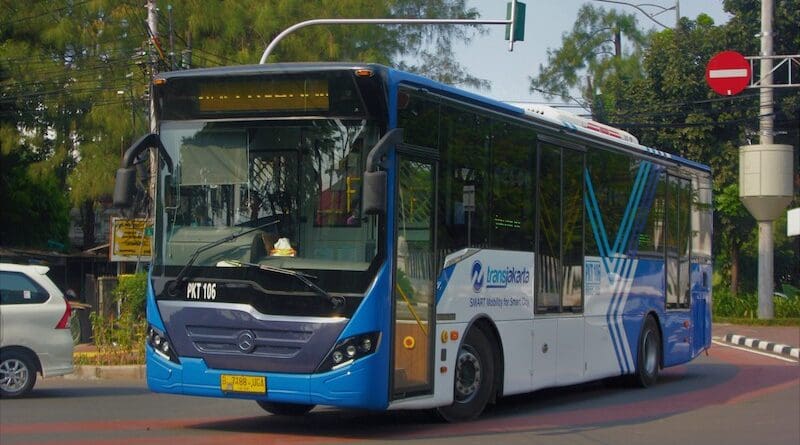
x,y
356,236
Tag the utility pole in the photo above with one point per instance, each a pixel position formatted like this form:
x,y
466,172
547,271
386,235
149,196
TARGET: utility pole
x,y
765,170
152,25
766,244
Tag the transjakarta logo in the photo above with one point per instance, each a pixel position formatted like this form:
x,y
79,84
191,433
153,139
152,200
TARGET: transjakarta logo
x,y
498,278
477,276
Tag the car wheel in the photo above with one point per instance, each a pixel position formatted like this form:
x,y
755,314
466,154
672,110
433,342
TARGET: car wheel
x,y
474,378
17,374
649,361
285,409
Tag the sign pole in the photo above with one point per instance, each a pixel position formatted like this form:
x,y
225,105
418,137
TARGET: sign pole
x,y
766,245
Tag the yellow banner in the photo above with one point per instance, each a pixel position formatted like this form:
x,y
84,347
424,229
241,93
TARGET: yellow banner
x,y
130,239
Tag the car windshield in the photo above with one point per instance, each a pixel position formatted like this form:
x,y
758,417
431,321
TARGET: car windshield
x,y
302,176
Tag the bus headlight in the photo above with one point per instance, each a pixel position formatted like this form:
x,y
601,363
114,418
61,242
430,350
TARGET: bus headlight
x,y
161,345
348,350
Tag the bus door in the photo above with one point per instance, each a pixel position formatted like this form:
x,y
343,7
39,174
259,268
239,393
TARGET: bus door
x,y
678,317
413,296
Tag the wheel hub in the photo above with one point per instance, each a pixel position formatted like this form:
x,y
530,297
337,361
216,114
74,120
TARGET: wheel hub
x,y
468,375
13,375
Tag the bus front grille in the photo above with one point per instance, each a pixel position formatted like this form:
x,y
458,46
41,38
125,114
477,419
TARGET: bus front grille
x,y
232,337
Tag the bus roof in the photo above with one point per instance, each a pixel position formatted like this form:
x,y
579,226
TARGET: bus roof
x,y
557,120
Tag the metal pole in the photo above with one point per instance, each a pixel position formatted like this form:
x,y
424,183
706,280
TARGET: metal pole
x,y
152,23
765,241
765,269
511,26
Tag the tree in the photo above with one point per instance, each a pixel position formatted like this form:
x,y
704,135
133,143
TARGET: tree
x,y
593,51
669,106
76,73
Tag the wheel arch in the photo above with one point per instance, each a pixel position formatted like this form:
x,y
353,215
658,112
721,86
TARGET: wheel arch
x,y
22,350
487,326
654,315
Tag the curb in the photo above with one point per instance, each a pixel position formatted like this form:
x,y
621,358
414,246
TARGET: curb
x,y
120,372
775,348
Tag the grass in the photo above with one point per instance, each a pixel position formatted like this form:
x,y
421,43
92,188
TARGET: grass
x,y
758,322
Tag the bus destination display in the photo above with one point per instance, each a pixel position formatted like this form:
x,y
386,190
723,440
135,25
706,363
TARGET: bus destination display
x,y
261,95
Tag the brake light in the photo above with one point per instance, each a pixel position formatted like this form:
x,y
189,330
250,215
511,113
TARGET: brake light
x,y
64,322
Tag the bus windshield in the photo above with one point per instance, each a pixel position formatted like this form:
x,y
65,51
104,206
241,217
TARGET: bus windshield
x,y
300,178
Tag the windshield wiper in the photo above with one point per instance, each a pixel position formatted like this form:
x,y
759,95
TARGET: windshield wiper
x,y
173,287
304,277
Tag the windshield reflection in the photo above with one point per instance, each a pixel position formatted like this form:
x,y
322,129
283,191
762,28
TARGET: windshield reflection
x,y
305,176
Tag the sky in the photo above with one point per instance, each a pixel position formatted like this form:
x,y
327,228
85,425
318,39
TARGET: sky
x,y
487,56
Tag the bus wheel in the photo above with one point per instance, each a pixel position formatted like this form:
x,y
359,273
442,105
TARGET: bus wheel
x,y
474,378
648,362
285,409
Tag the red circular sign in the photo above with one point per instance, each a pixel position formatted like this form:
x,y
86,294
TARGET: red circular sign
x,y
728,73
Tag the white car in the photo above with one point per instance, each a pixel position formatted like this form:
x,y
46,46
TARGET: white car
x,y
34,329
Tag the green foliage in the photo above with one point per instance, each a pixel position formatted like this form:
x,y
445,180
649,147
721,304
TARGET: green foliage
x,y
589,51
746,305
131,293
120,340
74,76
759,321
35,207
663,99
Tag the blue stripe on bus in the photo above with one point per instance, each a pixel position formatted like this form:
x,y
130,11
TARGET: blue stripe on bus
x,y
441,283
627,215
617,310
617,264
636,198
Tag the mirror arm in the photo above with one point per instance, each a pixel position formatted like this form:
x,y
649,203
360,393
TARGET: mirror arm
x,y
145,142
391,138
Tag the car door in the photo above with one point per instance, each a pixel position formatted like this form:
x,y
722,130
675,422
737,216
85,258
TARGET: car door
x,y
24,317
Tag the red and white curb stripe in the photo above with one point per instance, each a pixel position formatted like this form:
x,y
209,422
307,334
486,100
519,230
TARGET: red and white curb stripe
x,y
775,348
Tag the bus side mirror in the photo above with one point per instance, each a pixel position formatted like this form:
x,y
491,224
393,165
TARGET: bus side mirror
x,y
124,187
126,175
374,196
375,181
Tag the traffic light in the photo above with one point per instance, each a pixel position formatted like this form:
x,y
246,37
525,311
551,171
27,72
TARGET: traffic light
x,y
519,21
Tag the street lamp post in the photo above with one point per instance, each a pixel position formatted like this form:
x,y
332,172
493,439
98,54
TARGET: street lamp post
x,y
659,10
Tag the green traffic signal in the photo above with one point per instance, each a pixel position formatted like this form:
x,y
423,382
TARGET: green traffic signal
x,y
519,21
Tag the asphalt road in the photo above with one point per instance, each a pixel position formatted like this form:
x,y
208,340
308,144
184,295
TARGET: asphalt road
x,y
728,397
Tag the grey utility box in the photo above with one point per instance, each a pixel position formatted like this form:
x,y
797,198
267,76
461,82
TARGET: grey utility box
x,y
765,179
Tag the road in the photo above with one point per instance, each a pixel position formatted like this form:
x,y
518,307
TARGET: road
x,y
727,397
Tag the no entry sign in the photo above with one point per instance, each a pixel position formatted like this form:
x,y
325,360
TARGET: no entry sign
x,y
728,73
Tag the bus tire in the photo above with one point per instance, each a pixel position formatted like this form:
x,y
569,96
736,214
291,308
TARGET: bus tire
x,y
474,378
648,362
285,409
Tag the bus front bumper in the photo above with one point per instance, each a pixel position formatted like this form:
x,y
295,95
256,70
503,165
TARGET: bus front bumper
x,y
344,387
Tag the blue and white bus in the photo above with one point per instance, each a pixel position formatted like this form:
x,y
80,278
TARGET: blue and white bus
x,y
357,236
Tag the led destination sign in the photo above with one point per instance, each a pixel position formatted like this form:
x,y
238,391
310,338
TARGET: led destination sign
x,y
228,96
263,95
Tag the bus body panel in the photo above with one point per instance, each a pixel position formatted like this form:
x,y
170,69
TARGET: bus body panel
x,y
539,350
342,387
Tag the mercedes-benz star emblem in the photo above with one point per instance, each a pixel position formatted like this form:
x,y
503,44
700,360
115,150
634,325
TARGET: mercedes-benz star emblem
x,y
246,341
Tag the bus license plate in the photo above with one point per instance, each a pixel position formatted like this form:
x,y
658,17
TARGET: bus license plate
x,y
243,383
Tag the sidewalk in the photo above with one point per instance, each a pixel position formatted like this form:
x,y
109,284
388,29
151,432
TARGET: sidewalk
x,y
772,339
89,372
